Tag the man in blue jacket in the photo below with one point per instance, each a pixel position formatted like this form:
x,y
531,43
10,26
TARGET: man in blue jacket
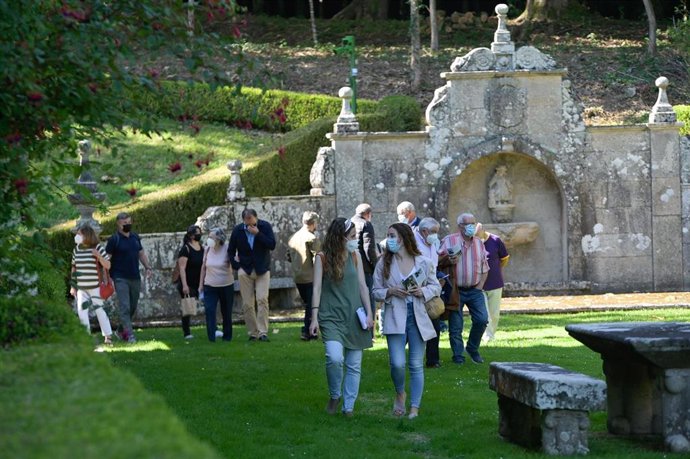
x,y
249,252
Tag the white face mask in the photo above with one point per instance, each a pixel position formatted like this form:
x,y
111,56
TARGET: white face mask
x,y
402,218
210,243
432,239
352,245
78,239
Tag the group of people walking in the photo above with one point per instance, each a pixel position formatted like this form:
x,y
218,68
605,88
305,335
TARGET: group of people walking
x,y
340,281
352,271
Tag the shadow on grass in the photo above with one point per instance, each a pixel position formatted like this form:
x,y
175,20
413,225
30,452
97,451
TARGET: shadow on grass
x,y
251,399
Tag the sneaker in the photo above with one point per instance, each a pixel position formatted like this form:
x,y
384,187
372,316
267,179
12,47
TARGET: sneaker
x,y
131,340
188,337
219,334
252,338
107,341
264,338
304,337
476,358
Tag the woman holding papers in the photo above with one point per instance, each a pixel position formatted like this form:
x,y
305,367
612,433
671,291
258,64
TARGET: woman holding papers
x,y
339,290
404,280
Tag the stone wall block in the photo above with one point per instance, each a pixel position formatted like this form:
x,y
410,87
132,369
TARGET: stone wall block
x,y
668,258
623,274
666,196
665,149
349,175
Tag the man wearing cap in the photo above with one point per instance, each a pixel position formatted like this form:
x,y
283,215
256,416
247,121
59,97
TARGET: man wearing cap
x,y
465,257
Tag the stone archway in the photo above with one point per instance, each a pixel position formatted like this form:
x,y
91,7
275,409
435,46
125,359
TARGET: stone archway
x,y
537,198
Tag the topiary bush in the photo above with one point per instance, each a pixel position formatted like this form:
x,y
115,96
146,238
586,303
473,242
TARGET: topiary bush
x,y
271,110
24,318
683,115
403,113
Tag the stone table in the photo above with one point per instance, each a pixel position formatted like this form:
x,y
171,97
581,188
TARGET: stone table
x,y
647,368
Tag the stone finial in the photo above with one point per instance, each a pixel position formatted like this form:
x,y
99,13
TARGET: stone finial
x,y
502,46
662,112
86,203
347,122
235,188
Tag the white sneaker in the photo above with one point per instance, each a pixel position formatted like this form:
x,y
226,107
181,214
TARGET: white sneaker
x,y
188,337
219,334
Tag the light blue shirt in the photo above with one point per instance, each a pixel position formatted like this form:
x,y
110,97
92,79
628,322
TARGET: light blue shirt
x,y
250,238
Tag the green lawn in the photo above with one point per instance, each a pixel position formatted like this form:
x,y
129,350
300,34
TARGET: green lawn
x,y
143,162
168,398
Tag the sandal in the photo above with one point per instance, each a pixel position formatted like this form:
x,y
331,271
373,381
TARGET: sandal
x,y
399,407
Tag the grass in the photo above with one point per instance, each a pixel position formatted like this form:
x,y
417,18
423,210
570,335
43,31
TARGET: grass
x,y
143,162
267,400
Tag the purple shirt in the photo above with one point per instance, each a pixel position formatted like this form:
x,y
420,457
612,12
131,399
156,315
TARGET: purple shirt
x,y
497,250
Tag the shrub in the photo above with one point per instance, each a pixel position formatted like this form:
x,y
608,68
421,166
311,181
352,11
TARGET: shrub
x,y
403,112
25,318
271,110
683,114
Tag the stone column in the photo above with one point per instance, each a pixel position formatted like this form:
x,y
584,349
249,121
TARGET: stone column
x,y
235,188
348,157
664,141
86,199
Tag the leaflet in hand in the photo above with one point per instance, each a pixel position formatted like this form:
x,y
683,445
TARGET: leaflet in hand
x,y
362,316
455,250
414,280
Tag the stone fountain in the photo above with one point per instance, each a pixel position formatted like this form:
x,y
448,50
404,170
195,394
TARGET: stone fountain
x,y
87,201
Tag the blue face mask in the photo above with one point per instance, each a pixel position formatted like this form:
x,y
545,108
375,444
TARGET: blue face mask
x,y
392,245
352,245
470,229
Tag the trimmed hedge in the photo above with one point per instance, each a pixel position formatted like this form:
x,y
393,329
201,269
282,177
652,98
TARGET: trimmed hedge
x,y
238,106
178,206
683,115
403,113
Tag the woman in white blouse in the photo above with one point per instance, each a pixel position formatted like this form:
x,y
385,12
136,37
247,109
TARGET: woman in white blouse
x,y
405,317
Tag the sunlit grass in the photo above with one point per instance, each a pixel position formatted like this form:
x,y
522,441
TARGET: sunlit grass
x,y
144,163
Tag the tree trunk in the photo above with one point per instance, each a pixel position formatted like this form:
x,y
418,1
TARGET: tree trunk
x,y
651,21
433,22
541,10
313,22
415,52
382,12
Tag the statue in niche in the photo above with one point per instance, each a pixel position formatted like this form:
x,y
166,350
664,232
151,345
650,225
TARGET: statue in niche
x,y
501,196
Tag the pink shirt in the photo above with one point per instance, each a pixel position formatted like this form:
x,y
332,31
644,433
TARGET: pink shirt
x,y
472,260
218,269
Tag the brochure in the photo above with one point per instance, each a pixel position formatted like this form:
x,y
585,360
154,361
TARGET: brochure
x,y
362,316
414,280
455,250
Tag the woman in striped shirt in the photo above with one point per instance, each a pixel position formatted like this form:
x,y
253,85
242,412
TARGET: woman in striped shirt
x,y
86,258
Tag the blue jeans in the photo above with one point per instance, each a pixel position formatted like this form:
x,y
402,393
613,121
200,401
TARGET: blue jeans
x,y
396,353
127,291
474,299
226,296
337,357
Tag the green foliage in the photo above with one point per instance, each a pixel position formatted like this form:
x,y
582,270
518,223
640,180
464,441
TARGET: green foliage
x,y
679,33
683,115
66,71
404,113
62,400
242,107
24,318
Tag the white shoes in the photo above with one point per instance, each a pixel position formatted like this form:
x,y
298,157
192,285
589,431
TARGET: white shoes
x,y
188,337
219,334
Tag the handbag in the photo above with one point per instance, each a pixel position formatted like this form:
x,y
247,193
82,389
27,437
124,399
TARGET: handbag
x,y
188,306
106,288
435,307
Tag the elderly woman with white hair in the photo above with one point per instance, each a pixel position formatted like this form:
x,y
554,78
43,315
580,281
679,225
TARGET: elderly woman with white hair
x,y
428,244
217,284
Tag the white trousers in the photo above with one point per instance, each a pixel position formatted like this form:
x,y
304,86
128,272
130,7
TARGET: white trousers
x,y
93,296
493,306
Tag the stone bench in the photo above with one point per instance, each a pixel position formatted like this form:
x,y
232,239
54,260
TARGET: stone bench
x,y
542,405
